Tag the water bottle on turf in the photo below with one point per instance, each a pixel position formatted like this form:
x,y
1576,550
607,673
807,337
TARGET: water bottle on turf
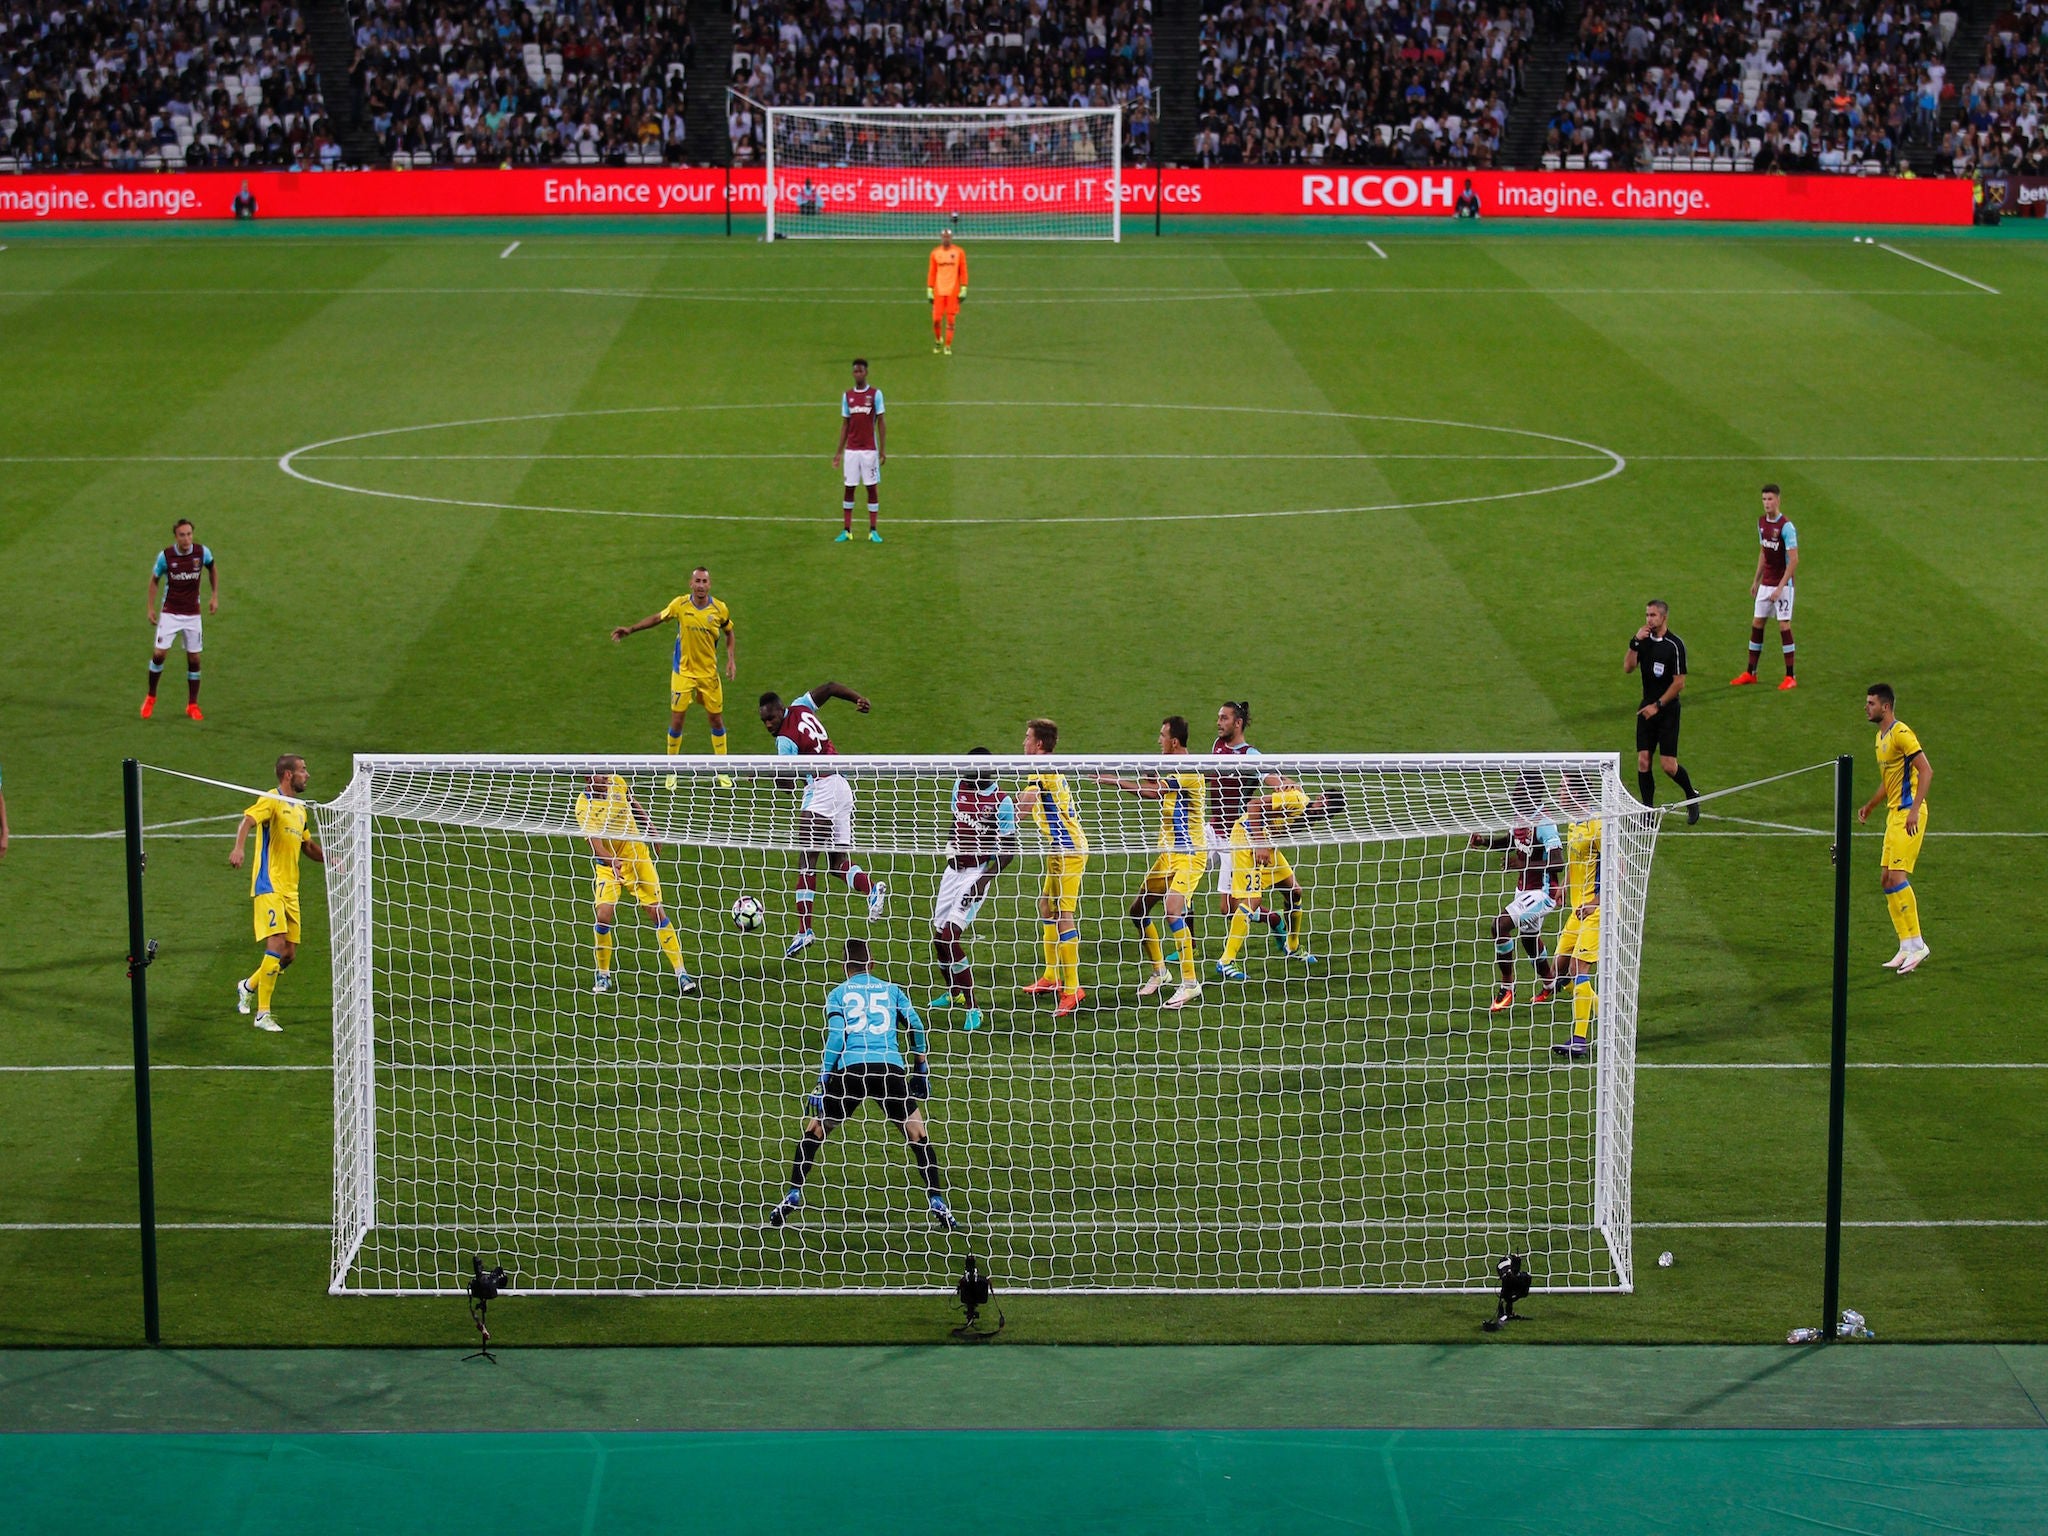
x,y
1803,1336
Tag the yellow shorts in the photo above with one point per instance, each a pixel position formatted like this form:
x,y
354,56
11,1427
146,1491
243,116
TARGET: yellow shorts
x,y
277,917
1902,848
684,688
1062,883
639,879
1176,874
1581,938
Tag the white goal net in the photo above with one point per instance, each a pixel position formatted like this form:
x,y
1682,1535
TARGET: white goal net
x,y
1364,1119
847,173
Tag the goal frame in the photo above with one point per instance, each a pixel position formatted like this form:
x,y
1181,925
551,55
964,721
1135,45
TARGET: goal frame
x,y
896,114
348,823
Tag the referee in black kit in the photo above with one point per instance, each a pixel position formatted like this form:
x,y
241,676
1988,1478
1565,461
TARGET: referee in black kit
x,y
1660,656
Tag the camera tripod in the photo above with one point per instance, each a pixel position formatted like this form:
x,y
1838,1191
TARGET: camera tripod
x,y
479,1308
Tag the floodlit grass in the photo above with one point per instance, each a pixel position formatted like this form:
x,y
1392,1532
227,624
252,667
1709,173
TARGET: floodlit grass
x,y
1473,461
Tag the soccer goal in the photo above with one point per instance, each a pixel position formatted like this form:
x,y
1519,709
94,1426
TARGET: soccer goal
x,y
1362,1120
907,172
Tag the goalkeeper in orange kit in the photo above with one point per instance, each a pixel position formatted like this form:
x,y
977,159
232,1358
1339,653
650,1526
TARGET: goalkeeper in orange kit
x,y
945,284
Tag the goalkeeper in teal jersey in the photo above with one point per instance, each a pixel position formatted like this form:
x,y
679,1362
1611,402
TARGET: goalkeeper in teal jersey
x,y
862,1062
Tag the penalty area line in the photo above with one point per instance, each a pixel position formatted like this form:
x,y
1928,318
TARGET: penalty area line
x,y
1930,266
506,254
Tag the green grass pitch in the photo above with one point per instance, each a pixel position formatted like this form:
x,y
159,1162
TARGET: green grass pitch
x,y
1411,503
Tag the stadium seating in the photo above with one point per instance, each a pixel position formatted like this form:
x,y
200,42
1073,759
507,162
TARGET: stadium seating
x,y
1999,123
943,53
1770,86
492,82
104,85
1349,82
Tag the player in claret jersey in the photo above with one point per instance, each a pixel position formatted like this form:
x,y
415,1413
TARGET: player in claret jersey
x,y
1777,562
1535,854
825,820
863,450
981,843
179,568
1230,795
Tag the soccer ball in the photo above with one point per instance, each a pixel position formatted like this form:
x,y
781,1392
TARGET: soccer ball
x,y
747,915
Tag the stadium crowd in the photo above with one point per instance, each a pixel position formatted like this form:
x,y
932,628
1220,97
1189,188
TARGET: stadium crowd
x,y
942,53
1999,124
491,82
1768,85
1358,81
124,86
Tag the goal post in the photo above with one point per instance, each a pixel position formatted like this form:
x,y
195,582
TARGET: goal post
x,y
1359,1121
904,173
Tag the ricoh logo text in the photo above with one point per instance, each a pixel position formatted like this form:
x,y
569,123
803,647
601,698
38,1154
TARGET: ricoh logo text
x,y
1376,189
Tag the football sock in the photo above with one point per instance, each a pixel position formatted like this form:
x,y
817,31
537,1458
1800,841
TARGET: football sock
x,y
963,982
846,510
1684,782
1585,1004
604,948
191,685
1240,928
1756,647
1070,958
1183,946
1788,652
1646,788
156,673
1049,944
675,742
1905,911
718,740
874,507
671,946
800,1165
1296,918
264,982
806,893
1504,957
937,332
857,877
1149,930
928,1165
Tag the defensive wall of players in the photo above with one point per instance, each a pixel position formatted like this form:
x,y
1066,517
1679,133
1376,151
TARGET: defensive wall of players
x,y
1178,194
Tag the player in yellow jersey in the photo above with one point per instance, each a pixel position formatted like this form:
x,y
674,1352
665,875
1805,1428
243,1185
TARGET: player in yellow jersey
x,y
618,828
945,284
282,832
700,619
1255,866
1048,800
1176,874
1578,947
1904,774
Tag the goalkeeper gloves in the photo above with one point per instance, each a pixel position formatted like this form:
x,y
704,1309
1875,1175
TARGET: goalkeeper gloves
x,y
963,290
815,1103
928,293
920,1083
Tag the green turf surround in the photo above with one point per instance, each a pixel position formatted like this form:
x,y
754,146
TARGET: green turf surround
x,y
1425,1481
354,623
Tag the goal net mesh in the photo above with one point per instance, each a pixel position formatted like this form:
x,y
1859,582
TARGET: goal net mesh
x,y
1361,1121
906,173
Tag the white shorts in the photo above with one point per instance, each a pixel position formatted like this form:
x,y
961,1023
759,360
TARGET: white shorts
x,y
863,466
956,905
831,797
1219,858
1779,607
1529,908
170,626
